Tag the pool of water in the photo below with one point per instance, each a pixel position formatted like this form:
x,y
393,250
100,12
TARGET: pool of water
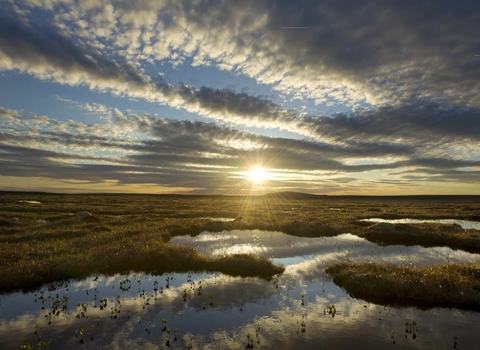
x,y
288,250
218,219
215,311
464,224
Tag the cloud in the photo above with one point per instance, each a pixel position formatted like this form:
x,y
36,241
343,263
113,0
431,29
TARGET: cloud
x,y
8,114
50,53
199,155
93,108
47,54
411,123
407,70
374,51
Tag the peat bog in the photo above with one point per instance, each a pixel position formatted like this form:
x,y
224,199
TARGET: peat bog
x,y
236,272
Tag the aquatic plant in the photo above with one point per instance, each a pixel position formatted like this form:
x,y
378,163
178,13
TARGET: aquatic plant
x,y
155,289
168,282
164,328
167,343
47,343
125,285
332,310
411,328
185,295
81,310
249,341
49,317
92,333
79,332
103,303
39,342
302,325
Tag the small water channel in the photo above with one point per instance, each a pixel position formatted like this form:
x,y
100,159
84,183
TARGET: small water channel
x,y
464,224
215,311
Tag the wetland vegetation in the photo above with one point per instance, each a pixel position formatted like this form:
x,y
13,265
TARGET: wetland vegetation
x,y
49,240
449,285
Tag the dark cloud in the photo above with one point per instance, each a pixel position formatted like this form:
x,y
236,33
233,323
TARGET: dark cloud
x,y
390,50
241,106
46,53
416,122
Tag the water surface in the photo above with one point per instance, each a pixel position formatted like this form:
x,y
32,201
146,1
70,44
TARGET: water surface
x,y
273,313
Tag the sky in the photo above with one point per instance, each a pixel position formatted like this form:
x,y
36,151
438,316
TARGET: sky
x,y
336,97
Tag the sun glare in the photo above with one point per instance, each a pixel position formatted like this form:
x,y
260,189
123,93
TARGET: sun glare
x,y
258,175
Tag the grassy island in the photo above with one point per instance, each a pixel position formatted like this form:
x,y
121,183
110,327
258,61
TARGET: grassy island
x,y
450,285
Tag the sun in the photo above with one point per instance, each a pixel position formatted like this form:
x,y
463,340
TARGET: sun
x,y
257,175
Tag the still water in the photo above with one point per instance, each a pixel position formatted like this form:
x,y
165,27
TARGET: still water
x,y
464,224
215,311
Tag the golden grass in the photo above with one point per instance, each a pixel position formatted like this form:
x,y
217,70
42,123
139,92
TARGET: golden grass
x,y
426,235
131,232
451,285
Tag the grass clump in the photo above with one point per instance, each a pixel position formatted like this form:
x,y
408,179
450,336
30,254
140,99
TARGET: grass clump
x,y
450,285
426,235
245,265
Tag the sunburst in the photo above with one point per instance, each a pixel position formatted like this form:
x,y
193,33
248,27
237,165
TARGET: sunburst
x,y
258,175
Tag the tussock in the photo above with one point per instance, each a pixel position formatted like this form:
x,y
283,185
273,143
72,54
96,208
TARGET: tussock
x,y
450,285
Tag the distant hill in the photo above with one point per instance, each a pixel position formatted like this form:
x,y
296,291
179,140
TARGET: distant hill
x,y
293,195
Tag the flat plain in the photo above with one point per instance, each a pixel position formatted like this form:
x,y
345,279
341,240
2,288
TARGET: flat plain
x,y
52,240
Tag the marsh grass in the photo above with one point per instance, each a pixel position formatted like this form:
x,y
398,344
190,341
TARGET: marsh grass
x,y
450,285
425,235
132,232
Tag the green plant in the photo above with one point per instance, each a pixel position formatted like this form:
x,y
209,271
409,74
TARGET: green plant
x,y
302,325
249,341
332,310
164,328
79,332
